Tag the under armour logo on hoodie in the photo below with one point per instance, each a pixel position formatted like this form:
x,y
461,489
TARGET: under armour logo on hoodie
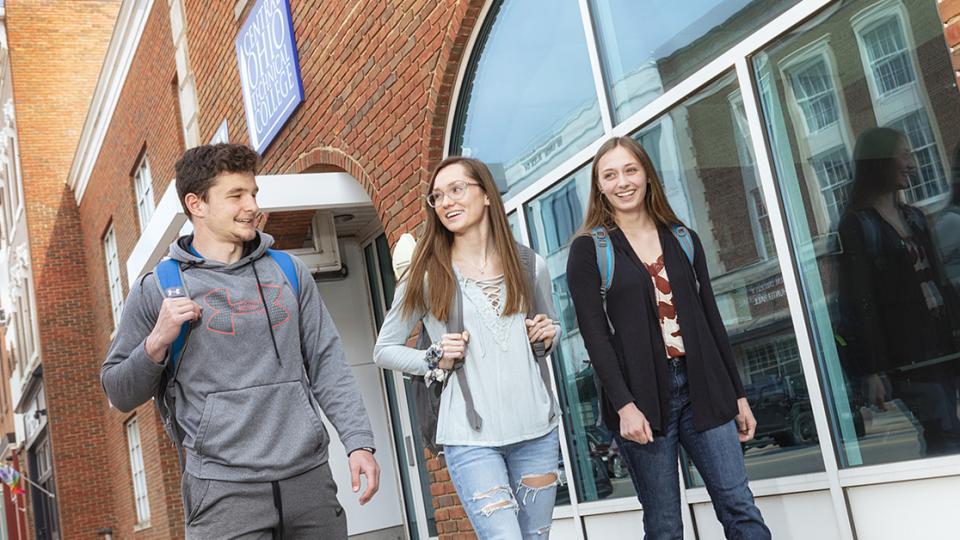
x,y
225,309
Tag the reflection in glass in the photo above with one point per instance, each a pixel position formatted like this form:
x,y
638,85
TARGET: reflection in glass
x,y
863,200
703,151
529,101
553,218
647,49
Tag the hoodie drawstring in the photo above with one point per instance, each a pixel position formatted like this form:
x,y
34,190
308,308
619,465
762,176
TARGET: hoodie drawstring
x,y
266,312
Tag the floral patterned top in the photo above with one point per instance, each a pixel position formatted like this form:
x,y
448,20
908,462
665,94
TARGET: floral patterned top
x,y
668,313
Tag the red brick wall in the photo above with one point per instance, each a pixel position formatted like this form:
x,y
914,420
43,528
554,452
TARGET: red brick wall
x,y
56,54
950,14
145,120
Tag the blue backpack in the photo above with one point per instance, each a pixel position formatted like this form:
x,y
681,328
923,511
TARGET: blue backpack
x,y
606,264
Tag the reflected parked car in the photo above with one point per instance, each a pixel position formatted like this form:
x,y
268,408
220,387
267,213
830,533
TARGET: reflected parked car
x,y
782,408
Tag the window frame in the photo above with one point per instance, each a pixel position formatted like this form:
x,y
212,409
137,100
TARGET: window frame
x,y
896,105
138,473
811,144
143,191
113,273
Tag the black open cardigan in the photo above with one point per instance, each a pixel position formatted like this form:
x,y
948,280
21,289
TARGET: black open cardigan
x,y
632,364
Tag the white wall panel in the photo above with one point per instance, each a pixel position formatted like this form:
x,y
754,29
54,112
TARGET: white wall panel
x,y
798,516
916,509
619,525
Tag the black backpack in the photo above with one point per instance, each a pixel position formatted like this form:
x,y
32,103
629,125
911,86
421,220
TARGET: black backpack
x,y
427,398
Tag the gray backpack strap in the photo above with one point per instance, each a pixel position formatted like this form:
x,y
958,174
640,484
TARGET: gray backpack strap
x,y
528,259
455,326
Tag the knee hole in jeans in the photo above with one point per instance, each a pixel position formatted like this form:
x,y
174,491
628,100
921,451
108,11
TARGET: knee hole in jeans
x,y
535,483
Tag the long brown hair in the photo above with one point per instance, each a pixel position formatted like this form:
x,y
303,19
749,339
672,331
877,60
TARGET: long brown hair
x,y
599,212
432,256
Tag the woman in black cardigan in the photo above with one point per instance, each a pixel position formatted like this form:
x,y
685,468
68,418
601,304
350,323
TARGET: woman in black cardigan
x,y
663,356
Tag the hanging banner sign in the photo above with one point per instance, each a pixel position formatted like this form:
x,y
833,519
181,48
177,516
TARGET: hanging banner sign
x,y
269,70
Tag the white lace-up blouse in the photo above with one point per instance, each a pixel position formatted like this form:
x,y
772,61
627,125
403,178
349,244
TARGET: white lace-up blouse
x,y
508,392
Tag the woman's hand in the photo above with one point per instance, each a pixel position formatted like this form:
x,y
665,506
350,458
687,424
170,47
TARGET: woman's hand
x,y
634,425
746,423
541,328
454,348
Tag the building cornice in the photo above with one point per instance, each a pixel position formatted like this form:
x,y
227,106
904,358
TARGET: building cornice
x,y
124,42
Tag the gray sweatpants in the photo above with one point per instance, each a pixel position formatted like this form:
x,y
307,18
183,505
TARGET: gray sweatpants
x,y
304,506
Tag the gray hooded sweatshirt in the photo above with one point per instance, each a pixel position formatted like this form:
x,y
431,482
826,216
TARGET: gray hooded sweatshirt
x,y
246,414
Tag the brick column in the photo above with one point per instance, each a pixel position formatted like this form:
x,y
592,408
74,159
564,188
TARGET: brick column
x,y
950,15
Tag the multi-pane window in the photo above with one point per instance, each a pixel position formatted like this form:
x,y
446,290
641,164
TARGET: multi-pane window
x,y
888,56
113,274
929,180
137,472
833,174
814,90
143,186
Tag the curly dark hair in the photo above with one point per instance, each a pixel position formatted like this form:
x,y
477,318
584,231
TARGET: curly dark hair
x,y
199,167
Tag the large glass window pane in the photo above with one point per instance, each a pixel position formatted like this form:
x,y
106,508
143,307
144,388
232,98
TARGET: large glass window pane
x,y
868,209
553,218
704,155
648,47
529,100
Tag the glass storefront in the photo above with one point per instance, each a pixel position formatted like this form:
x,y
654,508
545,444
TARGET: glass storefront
x,y
860,106
852,357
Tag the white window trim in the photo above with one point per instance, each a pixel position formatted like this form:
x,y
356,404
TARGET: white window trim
x,y
138,474
143,190
114,283
819,48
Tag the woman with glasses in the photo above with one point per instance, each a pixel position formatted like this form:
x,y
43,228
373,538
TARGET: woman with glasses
x,y
498,417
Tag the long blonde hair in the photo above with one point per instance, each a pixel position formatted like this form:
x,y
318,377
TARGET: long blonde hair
x,y
432,256
599,212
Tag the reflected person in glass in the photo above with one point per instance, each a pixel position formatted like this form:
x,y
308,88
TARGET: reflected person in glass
x,y
660,349
897,328
498,417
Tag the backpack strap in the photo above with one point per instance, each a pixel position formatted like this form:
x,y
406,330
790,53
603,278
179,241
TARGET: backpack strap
x,y
685,239
455,326
171,285
605,264
289,269
528,259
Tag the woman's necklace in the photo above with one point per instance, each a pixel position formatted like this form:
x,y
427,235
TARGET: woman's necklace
x,y
482,267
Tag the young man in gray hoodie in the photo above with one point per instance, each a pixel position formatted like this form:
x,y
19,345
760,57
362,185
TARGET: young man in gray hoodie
x,y
242,398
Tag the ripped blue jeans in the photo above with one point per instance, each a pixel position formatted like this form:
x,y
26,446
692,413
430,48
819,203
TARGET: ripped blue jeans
x,y
508,491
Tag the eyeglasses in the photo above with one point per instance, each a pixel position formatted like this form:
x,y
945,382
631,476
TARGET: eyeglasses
x,y
456,192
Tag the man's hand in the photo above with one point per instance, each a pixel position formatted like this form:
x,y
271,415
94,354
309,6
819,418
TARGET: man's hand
x,y
454,348
363,463
634,425
541,328
173,313
746,423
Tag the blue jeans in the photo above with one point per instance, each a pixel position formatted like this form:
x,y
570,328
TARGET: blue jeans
x,y
717,454
491,483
